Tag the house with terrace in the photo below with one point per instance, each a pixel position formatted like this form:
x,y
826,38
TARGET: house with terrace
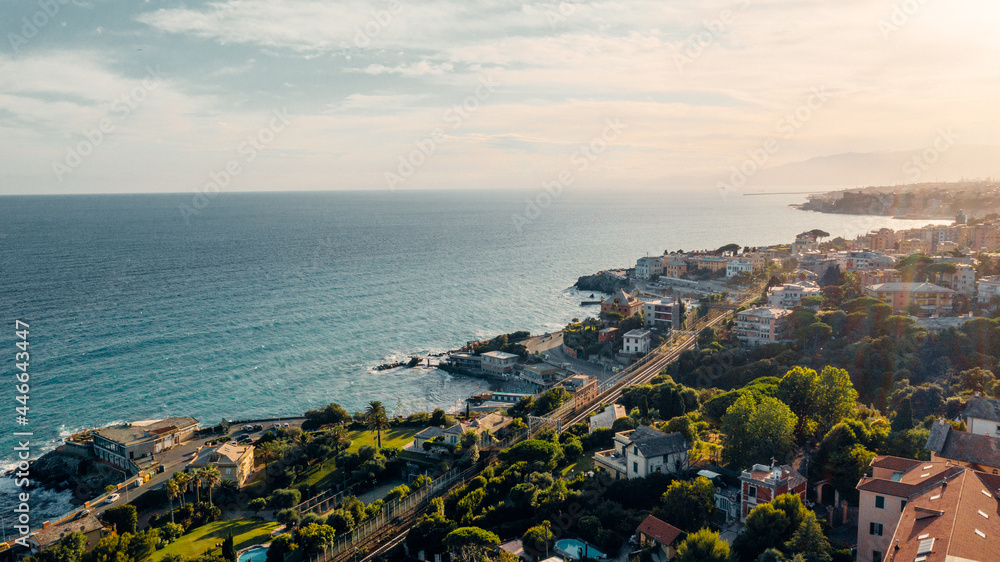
x,y
643,451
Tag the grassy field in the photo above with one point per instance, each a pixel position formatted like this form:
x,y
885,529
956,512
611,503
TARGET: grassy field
x,y
583,464
395,437
246,532
322,476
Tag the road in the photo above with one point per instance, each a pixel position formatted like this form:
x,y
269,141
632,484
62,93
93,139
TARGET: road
x,y
174,460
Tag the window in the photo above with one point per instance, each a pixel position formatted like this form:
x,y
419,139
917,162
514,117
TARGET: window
x,y
880,502
752,492
875,529
635,467
876,556
902,505
635,450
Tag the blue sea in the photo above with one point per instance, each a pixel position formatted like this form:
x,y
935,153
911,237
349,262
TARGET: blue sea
x,y
265,304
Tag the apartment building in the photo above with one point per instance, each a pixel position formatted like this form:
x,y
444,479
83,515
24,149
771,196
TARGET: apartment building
x,y
790,295
758,326
662,314
929,298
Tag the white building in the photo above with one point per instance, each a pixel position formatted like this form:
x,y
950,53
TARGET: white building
x,y
607,418
636,342
644,451
790,295
762,325
987,288
982,416
963,281
662,314
737,266
647,267
499,363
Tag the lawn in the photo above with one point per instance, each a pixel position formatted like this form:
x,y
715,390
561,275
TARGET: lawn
x,y
246,532
395,437
321,476
583,464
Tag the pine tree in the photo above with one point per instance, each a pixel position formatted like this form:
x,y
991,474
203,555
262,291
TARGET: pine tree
x,y
809,541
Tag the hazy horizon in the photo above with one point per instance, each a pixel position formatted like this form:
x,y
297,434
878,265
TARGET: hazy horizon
x,y
257,95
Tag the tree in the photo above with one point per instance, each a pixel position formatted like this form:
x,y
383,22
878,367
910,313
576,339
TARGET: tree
x,y
257,505
284,498
810,542
377,419
689,504
182,478
757,431
904,416
280,546
229,548
542,455
539,538
197,477
315,538
173,490
211,476
703,546
123,518
766,527
229,491
471,544
797,389
836,398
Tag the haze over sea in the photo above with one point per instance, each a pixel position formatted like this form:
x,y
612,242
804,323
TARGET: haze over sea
x,y
269,304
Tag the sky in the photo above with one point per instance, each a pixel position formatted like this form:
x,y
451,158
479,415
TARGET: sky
x,y
102,97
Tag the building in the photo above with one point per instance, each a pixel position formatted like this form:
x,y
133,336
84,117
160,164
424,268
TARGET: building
x,y
971,450
607,417
987,288
466,361
790,295
622,303
655,532
982,416
636,342
762,483
662,314
543,374
762,325
910,509
865,260
737,266
235,462
711,263
674,266
607,335
131,443
51,533
877,276
963,281
649,267
643,451
499,363
930,299
487,428
914,246
805,242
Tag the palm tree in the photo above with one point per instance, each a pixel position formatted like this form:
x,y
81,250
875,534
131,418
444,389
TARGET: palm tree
x,y
198,476
211,476
173,490
182,479
229,490
377,419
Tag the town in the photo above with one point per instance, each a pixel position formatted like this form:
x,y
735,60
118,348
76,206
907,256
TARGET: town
x,y
823,400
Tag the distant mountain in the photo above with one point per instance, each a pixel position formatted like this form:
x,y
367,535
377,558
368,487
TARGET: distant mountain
x,y
883,168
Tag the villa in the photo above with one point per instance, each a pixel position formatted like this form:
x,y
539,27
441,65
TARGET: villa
x,y
644,451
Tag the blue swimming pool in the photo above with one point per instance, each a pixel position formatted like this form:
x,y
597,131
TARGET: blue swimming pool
x,y
575,549
257,554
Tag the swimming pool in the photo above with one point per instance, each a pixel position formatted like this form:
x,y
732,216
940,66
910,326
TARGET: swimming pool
x,y
575,549
256,554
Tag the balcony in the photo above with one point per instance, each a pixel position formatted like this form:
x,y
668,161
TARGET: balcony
x,y
611,460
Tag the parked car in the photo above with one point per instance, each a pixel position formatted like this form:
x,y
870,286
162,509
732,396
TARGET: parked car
x,y
82,513
112,498
258,427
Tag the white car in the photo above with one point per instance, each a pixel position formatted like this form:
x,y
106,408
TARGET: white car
x,y
112,498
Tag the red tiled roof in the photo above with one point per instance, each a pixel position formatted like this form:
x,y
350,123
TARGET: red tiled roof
x,y
894,463
660,531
